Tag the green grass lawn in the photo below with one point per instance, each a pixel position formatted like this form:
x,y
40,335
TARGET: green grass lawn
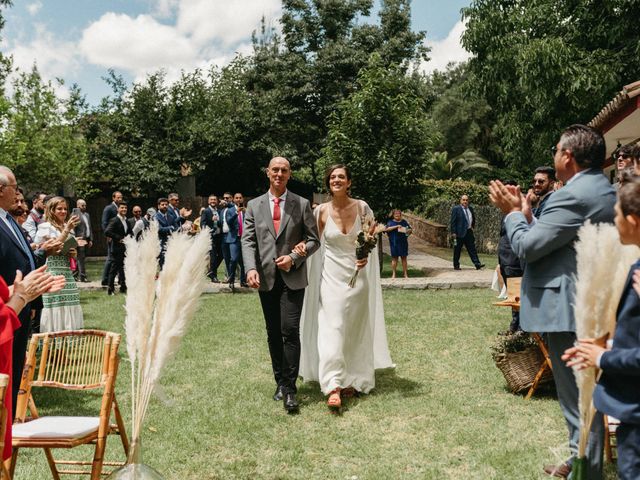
x,y
444,413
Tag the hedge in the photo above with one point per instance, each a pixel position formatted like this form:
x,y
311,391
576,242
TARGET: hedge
x,y
438,197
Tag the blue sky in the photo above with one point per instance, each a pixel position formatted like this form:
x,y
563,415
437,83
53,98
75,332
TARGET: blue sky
x,y
79,40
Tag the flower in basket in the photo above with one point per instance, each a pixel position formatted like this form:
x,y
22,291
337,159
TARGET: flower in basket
x,y
366,241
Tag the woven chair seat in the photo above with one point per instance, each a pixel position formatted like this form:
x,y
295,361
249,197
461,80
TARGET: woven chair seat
x,y
56,427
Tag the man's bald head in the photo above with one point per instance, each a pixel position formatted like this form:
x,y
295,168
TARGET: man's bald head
x,y
279,160
279,172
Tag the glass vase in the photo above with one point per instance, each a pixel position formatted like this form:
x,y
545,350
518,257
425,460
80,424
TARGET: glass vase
x,y
134,469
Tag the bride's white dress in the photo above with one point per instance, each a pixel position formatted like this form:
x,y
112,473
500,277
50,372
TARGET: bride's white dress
x,y
342,328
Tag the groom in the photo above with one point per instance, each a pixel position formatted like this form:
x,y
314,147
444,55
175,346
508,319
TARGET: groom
x,y
273,224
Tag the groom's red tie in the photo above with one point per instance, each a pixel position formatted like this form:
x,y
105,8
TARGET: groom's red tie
x,y
276,214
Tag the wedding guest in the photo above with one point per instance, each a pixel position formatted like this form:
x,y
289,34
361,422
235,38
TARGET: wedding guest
x,y
624,159
61,311
176,215
210,218
548,283
544,180
166,226
230,246
463,221
17,256
117,230
279,274
108,213
342,328
12,302
238,200
618,391
398,231
35,215
84,236
138,222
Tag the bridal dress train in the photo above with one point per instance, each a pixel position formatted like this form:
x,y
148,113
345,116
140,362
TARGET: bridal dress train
x,y
342,329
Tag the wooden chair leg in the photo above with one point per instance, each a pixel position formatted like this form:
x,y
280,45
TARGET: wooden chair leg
x,y
14,459
607,440
121,427
98,458
52,464
5,470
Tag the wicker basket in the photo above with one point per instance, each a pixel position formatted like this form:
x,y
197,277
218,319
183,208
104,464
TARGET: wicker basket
x,y
520,368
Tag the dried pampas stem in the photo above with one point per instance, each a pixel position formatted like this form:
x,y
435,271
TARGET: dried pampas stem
x,y
158,314
602,265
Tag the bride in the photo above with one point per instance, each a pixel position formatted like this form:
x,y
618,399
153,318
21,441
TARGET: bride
x,y
342,328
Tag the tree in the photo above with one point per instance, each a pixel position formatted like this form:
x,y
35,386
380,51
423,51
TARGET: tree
x,y
545,64
297,81
41,141
383,134
464,166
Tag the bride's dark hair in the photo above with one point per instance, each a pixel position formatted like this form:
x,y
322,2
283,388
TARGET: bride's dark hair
x,y
330,170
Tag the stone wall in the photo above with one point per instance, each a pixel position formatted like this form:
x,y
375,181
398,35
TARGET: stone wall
x,y
431,232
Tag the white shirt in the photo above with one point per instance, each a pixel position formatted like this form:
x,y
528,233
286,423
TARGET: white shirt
x,y
272,204
124,223
85,219
225,226
467,214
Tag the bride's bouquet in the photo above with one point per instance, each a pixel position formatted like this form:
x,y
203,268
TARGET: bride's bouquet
x,y
366,241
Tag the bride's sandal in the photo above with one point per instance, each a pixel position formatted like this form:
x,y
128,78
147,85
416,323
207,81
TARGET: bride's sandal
x,y
334,400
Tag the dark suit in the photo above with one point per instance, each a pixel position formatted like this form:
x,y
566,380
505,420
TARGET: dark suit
x,y
116,232
82,230
618,391
108,213
15,256
211,218
173,214
281,293
543,201
464,235
166,226
231,242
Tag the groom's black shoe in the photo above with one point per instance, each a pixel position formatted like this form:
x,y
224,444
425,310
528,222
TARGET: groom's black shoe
x,y
290,403
279,395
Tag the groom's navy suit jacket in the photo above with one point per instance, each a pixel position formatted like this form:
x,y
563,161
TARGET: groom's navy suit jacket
x,y
618,392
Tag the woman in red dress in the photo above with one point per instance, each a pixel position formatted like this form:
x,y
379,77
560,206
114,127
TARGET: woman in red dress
x,y
12,301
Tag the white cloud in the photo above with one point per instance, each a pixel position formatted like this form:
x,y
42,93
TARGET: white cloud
x,y
446,50
34,8
54,57
139,44
223,21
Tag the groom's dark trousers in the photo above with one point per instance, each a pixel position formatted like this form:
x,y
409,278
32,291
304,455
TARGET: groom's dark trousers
x,y
282,307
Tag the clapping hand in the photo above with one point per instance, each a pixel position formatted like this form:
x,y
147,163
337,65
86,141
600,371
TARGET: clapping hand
x,y
51,246
185,212
35,283
506,197
585,354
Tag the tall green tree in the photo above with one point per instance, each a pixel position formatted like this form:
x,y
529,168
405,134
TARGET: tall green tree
x,y
41,141
298,80
545,64
382,132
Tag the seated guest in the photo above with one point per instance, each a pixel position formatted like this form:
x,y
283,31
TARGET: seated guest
x,y
618,391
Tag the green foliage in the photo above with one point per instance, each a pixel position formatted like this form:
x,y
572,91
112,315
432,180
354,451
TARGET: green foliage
x,y
466,165
383,134
41,141
544,64
297,82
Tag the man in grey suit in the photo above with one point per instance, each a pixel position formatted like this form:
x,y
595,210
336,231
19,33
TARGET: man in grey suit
x,y
274,224
547,247
84,236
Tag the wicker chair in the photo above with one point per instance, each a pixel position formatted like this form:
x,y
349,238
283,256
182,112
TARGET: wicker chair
x,y
71,360
4,384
